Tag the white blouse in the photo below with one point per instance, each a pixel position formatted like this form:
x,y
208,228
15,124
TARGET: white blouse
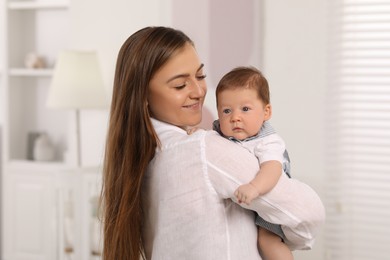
x,y
189,206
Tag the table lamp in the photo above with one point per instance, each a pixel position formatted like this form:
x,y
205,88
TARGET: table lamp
x,y
77,84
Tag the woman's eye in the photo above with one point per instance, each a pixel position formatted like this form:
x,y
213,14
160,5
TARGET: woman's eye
x,y
181,86
201,77
226,111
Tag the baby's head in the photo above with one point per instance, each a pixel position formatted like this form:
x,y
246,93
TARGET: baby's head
x,y
243,102
245,77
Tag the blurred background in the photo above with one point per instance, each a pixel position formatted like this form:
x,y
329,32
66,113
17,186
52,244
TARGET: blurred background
x,y
328,66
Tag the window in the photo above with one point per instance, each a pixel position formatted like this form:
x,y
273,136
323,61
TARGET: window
x,y
358,131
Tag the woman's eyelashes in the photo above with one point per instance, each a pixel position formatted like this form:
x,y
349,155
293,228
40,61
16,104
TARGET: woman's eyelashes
x,y
185,83
181,86
201,77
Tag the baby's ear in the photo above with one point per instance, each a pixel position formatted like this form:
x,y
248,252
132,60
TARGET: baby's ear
x,y
267,112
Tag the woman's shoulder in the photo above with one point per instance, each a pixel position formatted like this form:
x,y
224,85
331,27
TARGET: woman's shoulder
x,y
229,157
214,141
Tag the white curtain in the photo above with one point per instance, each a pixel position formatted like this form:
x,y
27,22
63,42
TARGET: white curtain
x,y
358,131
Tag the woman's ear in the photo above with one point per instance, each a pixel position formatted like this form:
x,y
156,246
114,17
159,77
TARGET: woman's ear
x,y
267,112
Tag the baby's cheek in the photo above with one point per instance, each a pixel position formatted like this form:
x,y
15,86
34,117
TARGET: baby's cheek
x,y
225,129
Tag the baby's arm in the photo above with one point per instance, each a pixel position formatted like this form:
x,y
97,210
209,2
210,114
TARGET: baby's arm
x,y
264,181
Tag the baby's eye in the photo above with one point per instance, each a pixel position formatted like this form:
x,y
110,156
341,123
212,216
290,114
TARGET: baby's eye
x,y
226,111
245,109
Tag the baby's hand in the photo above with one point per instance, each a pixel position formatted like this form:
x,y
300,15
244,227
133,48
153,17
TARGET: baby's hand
x,y
192,130
246,193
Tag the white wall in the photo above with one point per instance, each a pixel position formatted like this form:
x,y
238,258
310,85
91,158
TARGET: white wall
x,y
295,65
2,61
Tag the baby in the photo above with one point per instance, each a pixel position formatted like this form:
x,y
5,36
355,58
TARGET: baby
x,y
243,103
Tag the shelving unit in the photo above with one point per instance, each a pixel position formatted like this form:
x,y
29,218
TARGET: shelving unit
x,y
40,27
34,193
23,72
37,4
29,188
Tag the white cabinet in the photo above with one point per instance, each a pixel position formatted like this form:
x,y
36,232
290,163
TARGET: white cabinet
x,y
29,230
51,214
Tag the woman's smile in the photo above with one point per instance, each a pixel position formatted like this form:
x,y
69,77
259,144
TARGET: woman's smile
x,y
195,106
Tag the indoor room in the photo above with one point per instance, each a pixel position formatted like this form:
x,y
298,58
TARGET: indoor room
x,y
327,63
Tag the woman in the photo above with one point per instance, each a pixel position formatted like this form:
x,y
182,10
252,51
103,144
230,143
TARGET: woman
x,y
169,195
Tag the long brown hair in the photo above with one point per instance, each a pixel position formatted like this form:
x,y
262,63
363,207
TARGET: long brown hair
x,y
131,139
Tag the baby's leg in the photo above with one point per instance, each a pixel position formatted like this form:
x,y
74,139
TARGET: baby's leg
x,y
271,246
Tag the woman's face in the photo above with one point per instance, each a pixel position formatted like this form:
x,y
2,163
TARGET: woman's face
x,y
178,89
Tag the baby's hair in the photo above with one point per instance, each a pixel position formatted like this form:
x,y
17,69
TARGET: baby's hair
x,y
245,77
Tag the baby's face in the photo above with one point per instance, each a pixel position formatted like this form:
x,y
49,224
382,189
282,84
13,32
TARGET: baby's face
x,y
241,113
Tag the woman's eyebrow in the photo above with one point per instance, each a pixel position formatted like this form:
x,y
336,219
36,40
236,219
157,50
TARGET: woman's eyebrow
x,y
200,67
184,75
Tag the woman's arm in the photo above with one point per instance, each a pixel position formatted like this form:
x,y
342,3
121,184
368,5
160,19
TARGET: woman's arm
x,y
290,203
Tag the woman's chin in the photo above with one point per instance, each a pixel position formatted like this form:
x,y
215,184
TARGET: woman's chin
x,y
195,123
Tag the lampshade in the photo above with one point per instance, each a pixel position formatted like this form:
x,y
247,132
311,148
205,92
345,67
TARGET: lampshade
x,y
77,82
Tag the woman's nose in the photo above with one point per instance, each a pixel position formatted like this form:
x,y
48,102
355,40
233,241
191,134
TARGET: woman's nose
x,y
198,89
